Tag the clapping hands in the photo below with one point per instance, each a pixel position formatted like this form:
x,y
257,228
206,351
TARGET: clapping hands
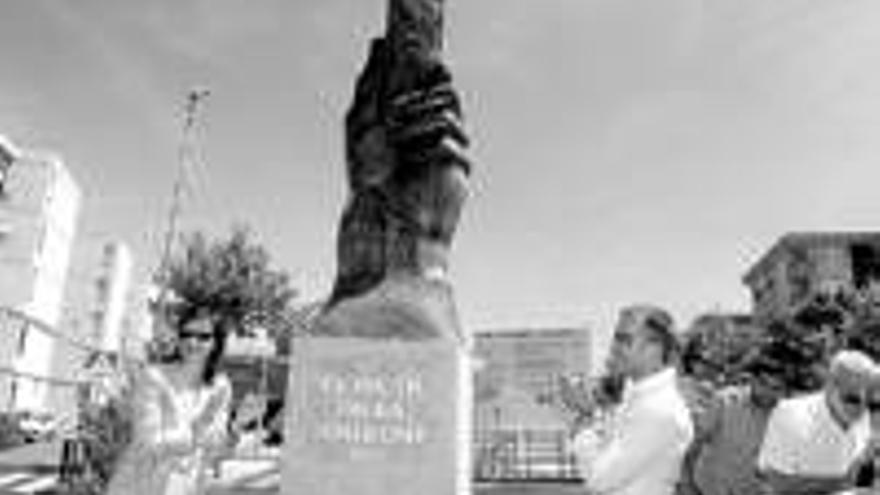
x,y
251,409
217,402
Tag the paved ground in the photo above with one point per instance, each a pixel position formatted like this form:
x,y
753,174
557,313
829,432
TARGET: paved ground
x,y
244,477
32,469
529,489
247,477
29,469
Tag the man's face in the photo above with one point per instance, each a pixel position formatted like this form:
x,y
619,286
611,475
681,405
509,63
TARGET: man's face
x,y
847,392
196,338
873,402
767,390
630,348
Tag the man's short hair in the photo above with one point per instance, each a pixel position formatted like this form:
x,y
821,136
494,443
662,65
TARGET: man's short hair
x,y
853,363
660,328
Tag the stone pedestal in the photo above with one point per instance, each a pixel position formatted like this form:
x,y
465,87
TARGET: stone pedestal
x,y
377,417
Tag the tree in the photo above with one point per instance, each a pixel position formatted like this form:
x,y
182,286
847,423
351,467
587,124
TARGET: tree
x,y
799,352
797,345
830,320
233,279
715,347
863,329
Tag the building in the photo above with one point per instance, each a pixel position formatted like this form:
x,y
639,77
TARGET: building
x,y
532,360
99,291
519,427
525,366
95,315
111,294
39,208
801,265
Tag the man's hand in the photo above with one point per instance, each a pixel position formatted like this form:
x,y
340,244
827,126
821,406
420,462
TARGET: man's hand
x,y
574,396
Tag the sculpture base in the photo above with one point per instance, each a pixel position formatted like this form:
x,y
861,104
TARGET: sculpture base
x,y
377,417
402,307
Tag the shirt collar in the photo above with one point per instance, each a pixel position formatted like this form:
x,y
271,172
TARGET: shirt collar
x,y
659,380
825,410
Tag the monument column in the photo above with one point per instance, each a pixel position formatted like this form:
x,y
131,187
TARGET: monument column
x,y
380,391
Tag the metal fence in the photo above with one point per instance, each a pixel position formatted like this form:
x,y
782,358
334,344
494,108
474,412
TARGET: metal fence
x,y
523,455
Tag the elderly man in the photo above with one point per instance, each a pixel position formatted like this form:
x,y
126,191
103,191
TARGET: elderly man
x,y
639,452
868,474
813,443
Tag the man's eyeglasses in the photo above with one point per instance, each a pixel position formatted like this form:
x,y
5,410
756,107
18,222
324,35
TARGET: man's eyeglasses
x,y
873,405
854,400
623,338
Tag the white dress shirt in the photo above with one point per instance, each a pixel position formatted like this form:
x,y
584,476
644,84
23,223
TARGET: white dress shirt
x,y
803,438
639,450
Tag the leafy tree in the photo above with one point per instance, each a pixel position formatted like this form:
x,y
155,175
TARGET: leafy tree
x,y
829,321
716,347
719,353
862,325
233,279
105,429
799,352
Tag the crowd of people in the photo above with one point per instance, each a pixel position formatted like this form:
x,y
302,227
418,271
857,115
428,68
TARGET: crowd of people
x,y
754,439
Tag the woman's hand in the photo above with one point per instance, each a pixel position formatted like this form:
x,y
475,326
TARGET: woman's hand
x,y
252,408
216,410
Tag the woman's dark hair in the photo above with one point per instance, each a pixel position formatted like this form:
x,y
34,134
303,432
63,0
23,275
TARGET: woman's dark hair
x,y
218,342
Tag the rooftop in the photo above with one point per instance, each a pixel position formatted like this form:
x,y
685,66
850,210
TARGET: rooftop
x,y
811,239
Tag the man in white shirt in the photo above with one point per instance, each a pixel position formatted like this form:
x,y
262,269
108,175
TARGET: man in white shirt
x,y
813,442
639,451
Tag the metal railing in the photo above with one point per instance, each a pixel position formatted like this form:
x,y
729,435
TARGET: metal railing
x,y
523,455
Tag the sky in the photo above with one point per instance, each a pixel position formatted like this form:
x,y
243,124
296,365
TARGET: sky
x,y
625,151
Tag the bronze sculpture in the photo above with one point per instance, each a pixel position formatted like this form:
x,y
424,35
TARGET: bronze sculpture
x,y
407,176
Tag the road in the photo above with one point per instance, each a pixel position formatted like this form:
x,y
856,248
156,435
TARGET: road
x,y
242,477
32,469
29,469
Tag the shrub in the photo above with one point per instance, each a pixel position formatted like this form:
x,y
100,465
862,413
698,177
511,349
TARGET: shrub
x,y
105,429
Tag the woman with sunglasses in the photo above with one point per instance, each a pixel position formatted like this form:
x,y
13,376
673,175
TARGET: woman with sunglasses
x,y
180,411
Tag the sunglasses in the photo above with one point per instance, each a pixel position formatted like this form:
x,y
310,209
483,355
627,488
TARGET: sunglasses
x,y
854,400
201,336
873,405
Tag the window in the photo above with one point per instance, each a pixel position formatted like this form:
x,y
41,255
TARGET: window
x,y
865,263
22,338
798,272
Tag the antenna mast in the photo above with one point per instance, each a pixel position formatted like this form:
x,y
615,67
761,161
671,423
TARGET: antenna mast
x,y
185,153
